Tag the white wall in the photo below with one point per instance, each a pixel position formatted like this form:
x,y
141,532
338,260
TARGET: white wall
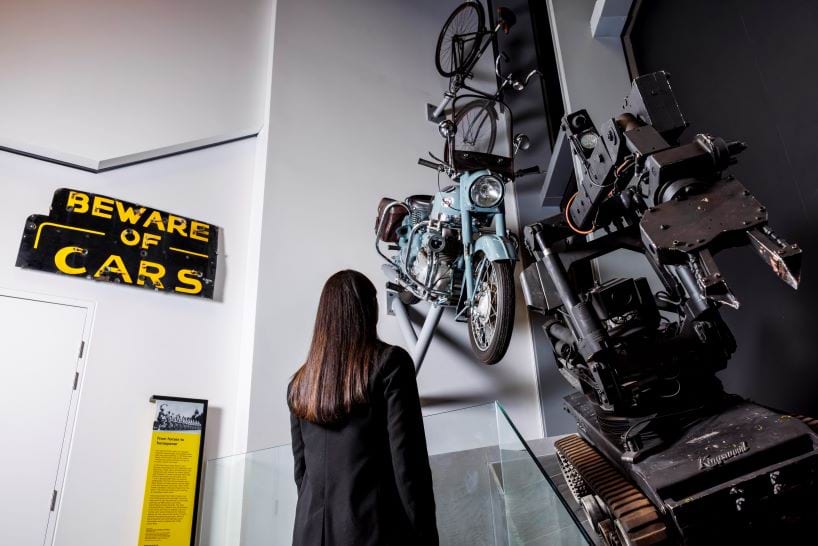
x,y
347,124
143,342
103,82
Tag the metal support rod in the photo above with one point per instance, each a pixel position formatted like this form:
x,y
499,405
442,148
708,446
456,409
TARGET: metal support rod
x,y
418,345
406,326
447,98
426,333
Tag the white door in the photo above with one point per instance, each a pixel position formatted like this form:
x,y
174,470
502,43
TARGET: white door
x,y
40,343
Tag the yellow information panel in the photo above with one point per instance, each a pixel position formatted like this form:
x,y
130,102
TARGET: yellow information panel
x,y
174,468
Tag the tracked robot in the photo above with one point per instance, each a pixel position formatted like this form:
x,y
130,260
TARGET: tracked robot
x,y
663,455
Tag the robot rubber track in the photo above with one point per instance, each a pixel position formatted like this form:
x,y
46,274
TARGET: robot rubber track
x,y
628,518
635,521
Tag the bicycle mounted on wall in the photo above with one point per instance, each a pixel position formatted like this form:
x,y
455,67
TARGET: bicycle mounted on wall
x,y
453,249
460,45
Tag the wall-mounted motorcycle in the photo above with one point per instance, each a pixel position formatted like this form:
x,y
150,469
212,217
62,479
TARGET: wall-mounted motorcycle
x,y
453,249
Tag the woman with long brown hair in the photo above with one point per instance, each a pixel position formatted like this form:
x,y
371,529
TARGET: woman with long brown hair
x,y
361,464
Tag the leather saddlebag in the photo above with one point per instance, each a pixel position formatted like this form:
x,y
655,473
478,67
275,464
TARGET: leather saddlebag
x,y
391,222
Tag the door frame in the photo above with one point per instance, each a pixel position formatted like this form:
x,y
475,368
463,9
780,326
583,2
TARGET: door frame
x,y
76,394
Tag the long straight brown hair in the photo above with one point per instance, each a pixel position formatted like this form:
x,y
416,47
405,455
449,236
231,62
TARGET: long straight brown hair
x,y
335,375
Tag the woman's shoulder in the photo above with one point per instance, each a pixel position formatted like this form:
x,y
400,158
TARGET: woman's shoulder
x,y
391,359
393,355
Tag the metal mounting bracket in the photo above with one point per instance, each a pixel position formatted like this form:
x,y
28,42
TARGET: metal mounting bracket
x,y
559,172
430,114
418,344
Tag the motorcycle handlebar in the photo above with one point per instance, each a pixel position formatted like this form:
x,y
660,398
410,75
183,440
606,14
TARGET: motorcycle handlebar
x,y
430,164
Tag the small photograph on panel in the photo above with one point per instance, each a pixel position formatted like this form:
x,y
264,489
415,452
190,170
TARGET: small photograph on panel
x,y
179,416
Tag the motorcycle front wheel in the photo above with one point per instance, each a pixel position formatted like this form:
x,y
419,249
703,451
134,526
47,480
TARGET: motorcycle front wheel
x,y
492,314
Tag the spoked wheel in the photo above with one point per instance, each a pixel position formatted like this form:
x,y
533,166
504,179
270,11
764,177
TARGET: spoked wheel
x,y
492,314
459,40
476,124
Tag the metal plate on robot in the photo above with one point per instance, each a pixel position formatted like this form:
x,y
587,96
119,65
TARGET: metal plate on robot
x,y
716,218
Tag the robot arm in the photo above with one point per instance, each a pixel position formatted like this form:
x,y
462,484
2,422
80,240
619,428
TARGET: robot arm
x,y
640,189
692,210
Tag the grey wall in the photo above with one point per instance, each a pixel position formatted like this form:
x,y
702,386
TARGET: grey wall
x,y
347,124
746,70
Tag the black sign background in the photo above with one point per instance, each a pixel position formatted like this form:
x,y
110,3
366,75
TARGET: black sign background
x,y
84,242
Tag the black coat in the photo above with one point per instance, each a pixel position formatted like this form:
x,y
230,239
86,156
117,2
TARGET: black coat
x,y
366,481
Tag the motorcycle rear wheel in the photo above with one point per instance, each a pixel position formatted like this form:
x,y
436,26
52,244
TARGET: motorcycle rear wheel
x,y
491,320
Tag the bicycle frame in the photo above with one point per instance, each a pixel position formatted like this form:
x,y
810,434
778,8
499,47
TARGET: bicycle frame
x,y
460,79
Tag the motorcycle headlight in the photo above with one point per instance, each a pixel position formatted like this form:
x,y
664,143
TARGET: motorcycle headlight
x,y
487,191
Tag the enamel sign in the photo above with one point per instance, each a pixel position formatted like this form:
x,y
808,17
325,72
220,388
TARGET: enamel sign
x,y
106,239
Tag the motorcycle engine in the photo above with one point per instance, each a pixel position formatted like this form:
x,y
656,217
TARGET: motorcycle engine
x,y
435,260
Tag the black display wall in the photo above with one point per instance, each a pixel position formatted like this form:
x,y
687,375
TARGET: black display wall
x,y
746,70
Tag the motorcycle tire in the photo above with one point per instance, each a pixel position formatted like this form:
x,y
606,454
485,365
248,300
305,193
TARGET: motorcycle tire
x,y
492,351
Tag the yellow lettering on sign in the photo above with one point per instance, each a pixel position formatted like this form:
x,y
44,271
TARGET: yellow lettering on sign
x,y
188,277
176,224
129,214
129,237
77,202
114,264
199,231
150,239
61,260
152,271
155,218
103,207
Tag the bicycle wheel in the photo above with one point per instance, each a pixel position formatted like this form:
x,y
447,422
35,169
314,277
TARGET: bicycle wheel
x,y
476,126
459,41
